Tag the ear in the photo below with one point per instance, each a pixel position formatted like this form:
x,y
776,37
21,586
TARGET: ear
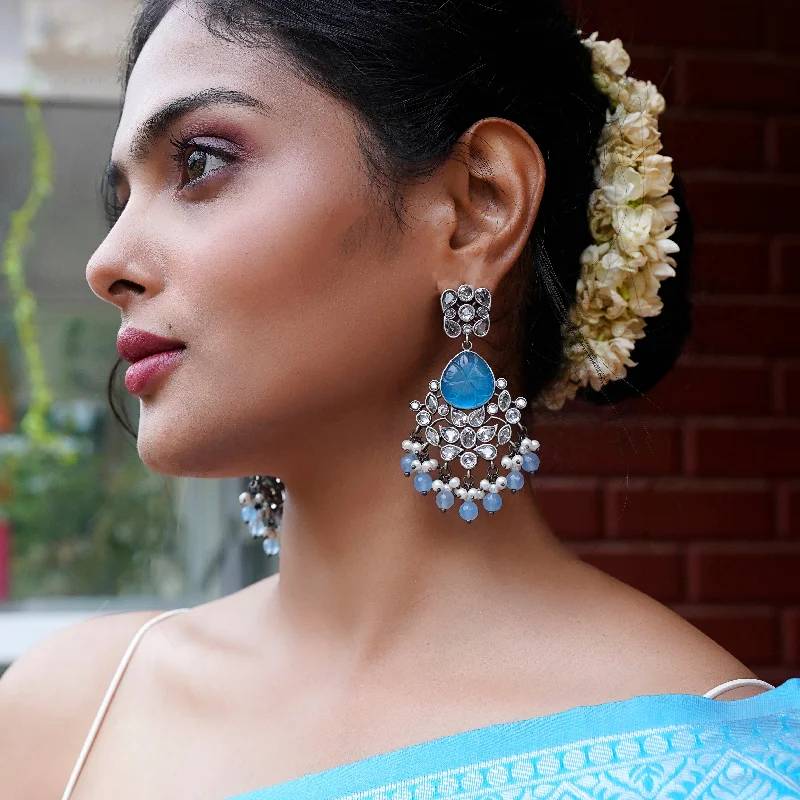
x,y
489,195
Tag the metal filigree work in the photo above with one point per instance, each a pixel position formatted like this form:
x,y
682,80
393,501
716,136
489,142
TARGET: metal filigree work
x,y
467,418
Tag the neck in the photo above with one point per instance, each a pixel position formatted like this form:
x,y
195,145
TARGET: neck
x,y
364,556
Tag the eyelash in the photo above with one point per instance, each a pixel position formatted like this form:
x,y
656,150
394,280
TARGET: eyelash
x,y
113,209
183,144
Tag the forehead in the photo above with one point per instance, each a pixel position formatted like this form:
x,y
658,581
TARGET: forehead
x,y
182,58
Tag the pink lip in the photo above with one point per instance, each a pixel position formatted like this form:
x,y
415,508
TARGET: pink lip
x,y
150,356
141,374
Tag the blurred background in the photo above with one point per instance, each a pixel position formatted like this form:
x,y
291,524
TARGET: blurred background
x,y
691,495
84,527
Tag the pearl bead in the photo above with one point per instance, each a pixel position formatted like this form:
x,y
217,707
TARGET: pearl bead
x,y
494,489
416,465
505,461
434,463
471,494
244,498
534,446
438,486
516,462
259,499
501,482
485,485
480,494
454,483
461,494
427,466
406,445
416,447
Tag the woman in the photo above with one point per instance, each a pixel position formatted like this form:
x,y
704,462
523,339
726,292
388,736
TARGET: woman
x,y
297,189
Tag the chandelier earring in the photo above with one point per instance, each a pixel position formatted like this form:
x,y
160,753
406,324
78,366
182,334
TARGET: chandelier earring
x,y
468,418
262,510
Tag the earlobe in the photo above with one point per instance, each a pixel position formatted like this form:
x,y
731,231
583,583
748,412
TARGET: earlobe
x,y
495,179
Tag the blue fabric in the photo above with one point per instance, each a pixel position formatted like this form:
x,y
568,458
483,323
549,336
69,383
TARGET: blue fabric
x,y
670,747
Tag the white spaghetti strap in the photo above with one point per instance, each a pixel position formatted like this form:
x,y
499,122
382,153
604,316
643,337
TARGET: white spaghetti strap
x,y
739,682
115,681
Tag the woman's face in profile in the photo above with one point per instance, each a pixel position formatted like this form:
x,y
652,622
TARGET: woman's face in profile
x,y
251,232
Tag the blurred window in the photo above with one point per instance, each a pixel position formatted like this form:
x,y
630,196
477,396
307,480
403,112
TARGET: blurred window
x,y
85,528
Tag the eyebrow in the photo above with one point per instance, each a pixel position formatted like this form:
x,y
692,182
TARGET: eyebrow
x,y
159,123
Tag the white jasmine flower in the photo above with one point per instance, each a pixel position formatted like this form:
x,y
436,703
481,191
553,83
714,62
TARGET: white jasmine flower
x,y
610,56
632,226
594,253
657,175
626,187
631,219
667,209
638,128
635,95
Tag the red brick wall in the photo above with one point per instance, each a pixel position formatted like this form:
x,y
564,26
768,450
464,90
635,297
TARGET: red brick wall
x,y
693,494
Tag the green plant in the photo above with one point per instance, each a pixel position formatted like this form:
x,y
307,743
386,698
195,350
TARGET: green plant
x,y
90,524
87,517
23,302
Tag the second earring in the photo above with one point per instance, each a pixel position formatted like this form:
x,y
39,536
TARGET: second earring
x,y
468,416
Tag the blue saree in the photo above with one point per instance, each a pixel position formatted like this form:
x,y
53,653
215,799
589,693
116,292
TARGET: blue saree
x,y
670,747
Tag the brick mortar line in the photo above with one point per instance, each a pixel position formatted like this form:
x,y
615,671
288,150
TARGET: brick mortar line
x,y
771,55
675,422
731,176
762,300
724,361
685,484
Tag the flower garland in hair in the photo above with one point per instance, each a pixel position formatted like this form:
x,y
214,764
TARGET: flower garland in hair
x,y
631,217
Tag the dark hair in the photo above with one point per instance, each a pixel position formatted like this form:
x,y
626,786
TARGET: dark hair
x,y
420,73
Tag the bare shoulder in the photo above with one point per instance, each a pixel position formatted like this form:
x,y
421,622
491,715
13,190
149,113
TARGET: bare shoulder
x,y
50,696
654,650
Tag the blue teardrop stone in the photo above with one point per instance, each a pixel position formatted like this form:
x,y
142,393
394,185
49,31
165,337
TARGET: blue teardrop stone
x,y
467,381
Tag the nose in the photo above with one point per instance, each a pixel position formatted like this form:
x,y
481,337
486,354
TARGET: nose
x,y
123,269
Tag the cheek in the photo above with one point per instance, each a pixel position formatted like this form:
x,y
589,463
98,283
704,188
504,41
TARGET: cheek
x,y
289,283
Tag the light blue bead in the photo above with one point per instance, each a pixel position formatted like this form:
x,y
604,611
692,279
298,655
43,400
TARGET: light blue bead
x,y
467,381
405,463
530,462
445,499
249,513
468,511
271,546
423,482
515,481
492,502
257,527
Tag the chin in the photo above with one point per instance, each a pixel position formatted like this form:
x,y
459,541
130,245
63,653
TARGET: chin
x,y
171,445
193,442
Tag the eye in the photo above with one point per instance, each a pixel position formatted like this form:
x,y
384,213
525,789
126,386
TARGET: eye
x,y
201,163
198,162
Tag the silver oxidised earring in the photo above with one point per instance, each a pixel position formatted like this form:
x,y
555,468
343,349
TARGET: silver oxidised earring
x,y
468,416
262,510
